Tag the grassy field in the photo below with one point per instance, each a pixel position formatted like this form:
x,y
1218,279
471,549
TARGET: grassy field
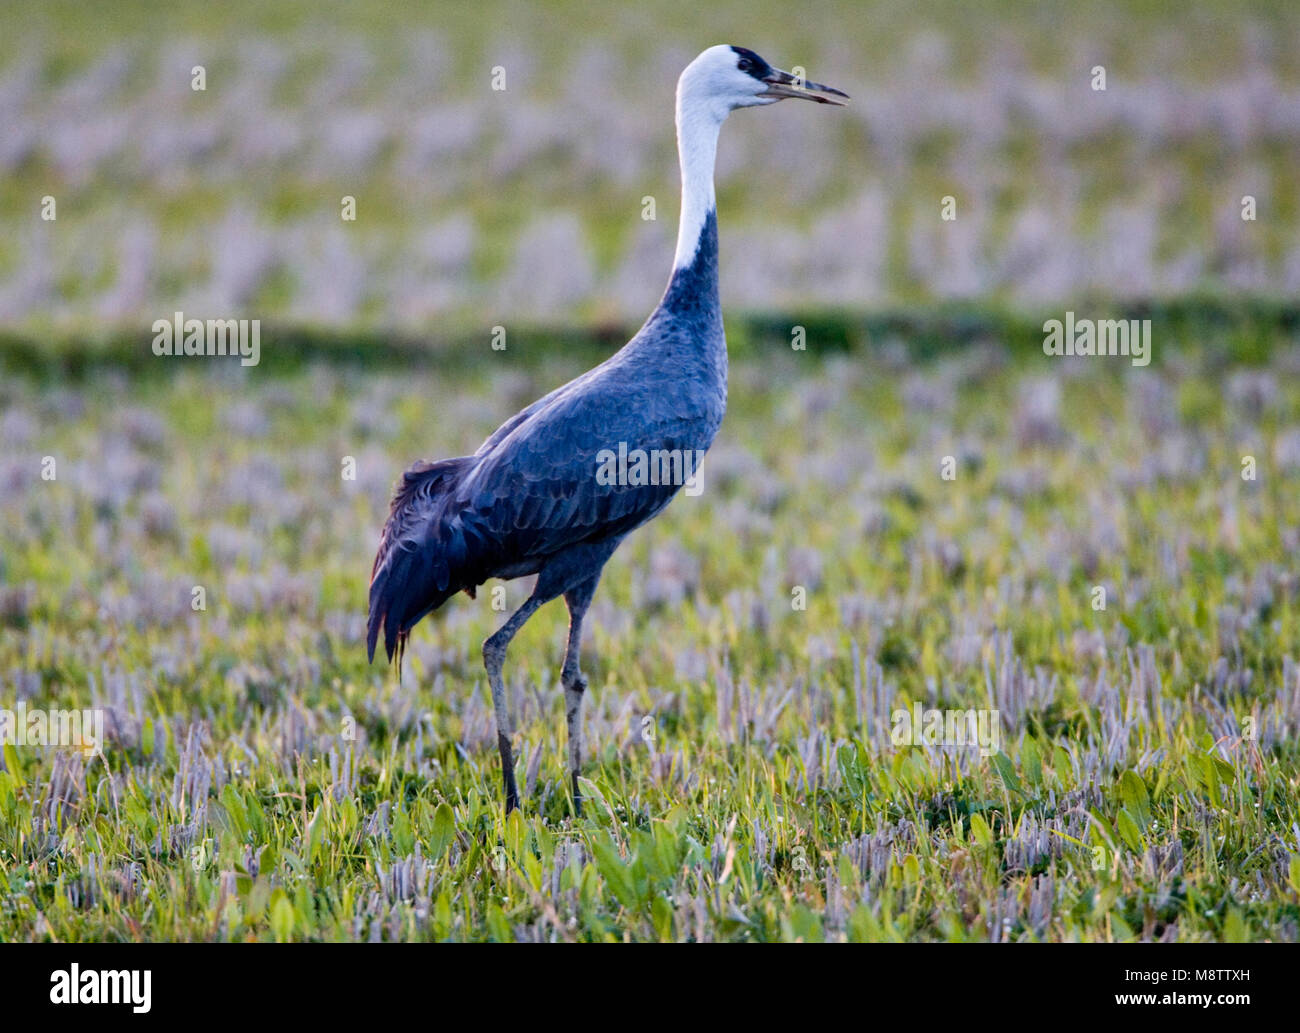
x,y
260,781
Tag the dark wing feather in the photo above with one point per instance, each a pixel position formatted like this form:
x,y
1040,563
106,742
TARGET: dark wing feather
x,y
408,579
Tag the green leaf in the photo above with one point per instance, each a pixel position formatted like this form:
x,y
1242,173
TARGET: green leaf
x,y
1133,792
1235,928
1072,839
235,809
281,918
1128,831
661,917
442,831
616,874
256,815
498,926
1227,774
979,830
315,834
403,835
1210,777
1007,772
1031,761
1062,767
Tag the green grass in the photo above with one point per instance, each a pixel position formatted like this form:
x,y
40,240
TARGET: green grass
x,y
261,781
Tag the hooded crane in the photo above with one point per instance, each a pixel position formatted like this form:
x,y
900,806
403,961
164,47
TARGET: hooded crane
x,y
530,500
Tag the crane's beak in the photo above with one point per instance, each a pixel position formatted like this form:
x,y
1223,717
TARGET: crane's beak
x,y
783,84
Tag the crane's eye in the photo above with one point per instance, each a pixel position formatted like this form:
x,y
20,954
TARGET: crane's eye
x,y
746,65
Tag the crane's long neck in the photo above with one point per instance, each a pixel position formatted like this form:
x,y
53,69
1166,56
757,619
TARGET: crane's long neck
x,y
694,283
697,147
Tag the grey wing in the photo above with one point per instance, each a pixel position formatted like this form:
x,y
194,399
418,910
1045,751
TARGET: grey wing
x,y
537,491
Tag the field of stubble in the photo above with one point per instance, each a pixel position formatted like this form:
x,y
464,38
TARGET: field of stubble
x,y
261,781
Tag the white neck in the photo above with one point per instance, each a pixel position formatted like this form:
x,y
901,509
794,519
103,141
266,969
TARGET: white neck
x,y
697,147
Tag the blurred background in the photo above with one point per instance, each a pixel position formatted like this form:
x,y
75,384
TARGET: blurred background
x,y
475,205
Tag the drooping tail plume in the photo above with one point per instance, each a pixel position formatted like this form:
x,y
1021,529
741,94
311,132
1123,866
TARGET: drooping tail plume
x,y
409,578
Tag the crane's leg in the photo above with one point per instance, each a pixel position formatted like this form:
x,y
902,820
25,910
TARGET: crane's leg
x,y
494,655
573,574
574,681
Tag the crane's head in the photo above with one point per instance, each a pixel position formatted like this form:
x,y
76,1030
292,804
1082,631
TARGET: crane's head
x,y
725,78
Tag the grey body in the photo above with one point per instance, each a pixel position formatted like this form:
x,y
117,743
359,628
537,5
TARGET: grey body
x,y
529,501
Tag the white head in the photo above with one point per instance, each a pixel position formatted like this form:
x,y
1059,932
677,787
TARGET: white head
x,y
724,78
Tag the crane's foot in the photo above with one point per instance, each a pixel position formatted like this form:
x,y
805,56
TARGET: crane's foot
x,y
508,772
